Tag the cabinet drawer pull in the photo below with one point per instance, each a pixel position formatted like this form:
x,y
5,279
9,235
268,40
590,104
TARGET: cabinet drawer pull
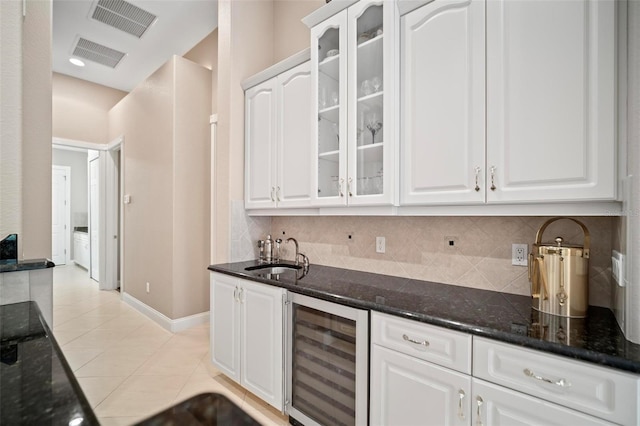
x,y
349,187
341,186
561,382
273,189
479,401
278,194
461,396
408,339
477,170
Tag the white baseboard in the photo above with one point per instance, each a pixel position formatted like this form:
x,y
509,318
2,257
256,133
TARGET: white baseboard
x,y
175,325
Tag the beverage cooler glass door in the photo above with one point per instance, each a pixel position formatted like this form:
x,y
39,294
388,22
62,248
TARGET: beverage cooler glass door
x,y
328,352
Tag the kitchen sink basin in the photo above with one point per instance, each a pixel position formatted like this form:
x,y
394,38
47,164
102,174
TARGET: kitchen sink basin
x,y
272,268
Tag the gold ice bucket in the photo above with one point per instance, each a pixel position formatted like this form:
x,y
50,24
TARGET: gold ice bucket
x,y
559,274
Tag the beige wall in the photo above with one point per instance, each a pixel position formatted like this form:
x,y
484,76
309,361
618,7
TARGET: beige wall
x,y
80,109
165,123
26,128
205,53
191,188
11,118
245,47
290,34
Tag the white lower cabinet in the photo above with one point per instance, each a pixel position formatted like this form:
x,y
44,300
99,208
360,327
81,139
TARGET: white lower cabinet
x,y
413,373
247,320
497,405
409,391
81,249
419,376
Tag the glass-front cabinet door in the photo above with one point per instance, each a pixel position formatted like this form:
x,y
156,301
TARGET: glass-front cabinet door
x,y
353,74
329,94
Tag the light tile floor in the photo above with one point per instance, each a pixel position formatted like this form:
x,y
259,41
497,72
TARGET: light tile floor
x,y
128,366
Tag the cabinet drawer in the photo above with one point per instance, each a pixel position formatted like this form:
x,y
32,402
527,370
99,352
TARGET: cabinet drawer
x,y
602,392
435,344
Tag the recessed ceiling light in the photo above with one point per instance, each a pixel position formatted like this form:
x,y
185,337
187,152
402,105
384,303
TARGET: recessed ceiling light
x,y
76,62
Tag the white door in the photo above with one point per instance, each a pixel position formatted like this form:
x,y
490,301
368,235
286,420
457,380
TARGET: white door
x,y
262,363
225,328
294,143
409,391
60,215
551,100
443,99
260,145
496,405
94,217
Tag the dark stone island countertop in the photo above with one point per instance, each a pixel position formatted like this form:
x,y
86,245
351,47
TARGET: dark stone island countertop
x,y
37,386
500,316
10,265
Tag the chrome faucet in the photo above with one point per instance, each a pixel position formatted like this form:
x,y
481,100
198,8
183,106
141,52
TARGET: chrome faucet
x,y
305,259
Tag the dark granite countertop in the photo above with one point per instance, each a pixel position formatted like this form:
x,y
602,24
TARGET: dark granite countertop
x,y
37,386
202,409
10,265
500,316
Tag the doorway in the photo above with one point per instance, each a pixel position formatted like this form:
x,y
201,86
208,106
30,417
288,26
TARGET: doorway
x,y
61,214
102,217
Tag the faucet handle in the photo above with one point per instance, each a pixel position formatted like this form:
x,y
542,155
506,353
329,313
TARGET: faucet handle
x,y
305,259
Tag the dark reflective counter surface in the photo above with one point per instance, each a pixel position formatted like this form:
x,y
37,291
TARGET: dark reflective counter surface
x,y
501,316
37,387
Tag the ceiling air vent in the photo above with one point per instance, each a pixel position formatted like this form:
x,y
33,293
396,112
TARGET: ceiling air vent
x,y
95,52
123,16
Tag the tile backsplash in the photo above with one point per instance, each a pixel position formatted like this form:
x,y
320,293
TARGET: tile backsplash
x,y
419,247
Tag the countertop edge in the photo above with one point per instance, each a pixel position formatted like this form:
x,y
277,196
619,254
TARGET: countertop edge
x,y
25,265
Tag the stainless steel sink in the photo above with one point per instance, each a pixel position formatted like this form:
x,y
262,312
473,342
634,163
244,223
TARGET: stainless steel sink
x,y
273,268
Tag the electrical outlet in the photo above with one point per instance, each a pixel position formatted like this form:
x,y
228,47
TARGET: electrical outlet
x,y
147,287
380,244
519,253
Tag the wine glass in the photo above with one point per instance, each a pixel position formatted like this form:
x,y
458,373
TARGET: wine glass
x,y
374,126
376,82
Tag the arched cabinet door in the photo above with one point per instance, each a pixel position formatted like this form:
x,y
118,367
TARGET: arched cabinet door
x,y
551,100
443,103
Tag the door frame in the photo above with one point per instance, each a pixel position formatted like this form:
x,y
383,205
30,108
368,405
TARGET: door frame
x,y
108,208
67,211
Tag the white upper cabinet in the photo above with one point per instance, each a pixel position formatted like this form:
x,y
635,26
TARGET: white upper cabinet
x,y
293,183
354,79
551,100
260,146
547,78
277,150
443,120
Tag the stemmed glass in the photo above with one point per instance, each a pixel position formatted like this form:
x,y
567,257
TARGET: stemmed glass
x,y
374,126
376,82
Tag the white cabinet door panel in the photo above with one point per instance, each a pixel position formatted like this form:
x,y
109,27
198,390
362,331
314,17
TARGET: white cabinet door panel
x,y
262,341
495,405
294,139
225,327
409,391
551,100
260,156
443,120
